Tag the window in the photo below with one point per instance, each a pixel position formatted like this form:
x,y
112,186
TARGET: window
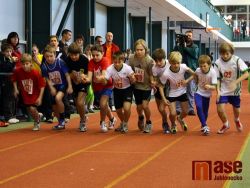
x,y
234,9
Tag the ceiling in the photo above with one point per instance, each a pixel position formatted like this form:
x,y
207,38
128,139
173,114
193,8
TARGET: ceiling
x,y
160,10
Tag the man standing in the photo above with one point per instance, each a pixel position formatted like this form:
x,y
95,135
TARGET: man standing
x,y
190,53
109,48
66,37
243,27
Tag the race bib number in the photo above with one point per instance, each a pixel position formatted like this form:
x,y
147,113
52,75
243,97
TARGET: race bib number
x,y
118,82
139,74
28,86
55,77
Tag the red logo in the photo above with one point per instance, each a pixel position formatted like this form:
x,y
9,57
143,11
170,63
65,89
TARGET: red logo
x,y
202,170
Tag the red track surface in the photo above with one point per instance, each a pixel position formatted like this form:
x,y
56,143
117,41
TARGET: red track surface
x,y
70,158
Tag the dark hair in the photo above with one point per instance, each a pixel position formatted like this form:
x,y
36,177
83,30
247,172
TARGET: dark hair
x,y
65,31
159,54
226,47
12,35
74,49
119,55
204,59
6,46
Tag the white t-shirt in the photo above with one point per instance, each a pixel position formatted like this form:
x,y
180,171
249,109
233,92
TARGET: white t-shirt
x,y
120,78
158,71
175,79
228,72
205,78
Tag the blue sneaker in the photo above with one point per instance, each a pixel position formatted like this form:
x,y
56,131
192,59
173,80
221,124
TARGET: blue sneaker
x,y
60,126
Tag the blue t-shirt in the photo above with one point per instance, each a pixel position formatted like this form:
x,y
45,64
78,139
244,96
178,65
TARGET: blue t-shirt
x,y
55,72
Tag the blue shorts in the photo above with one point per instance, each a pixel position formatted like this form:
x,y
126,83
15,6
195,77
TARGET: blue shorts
x,y
99,94
233,100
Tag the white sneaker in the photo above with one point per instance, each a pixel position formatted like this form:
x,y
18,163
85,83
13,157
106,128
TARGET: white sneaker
x,y
104,128
112,124
66,120
36,127
13,121
113,109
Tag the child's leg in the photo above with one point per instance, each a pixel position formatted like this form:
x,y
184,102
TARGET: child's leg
x,y
172,116
127,111
238,124
60,110
221,113
34,113
184,109
161,109
200,109
80,103
145,108
104,108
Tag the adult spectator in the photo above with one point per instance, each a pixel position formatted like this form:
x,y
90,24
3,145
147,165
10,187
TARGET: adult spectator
x,y
243,28
80,42
98,40
66,37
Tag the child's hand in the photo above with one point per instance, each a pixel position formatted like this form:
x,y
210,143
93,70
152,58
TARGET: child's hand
x,y
166,102
207,86
69,90
14,59
38,101
16,93
184,83
132,78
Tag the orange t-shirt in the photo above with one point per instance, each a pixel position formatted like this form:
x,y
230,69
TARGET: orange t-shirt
x,y
109,54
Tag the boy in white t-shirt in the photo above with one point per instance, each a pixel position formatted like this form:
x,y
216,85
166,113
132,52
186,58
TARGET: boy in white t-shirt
x,y
231,70
174,77
122,76
206,80
161,64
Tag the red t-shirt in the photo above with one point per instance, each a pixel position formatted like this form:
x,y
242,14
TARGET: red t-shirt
x,y
97,68
29,84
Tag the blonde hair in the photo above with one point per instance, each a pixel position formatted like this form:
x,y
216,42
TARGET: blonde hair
x,y
26,58
203,59
49,49
175,56
144,45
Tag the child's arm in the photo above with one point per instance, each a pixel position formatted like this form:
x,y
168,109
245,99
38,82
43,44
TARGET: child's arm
x,y
132,78
69,89
234,83
40,97
16,92
190,71
218,90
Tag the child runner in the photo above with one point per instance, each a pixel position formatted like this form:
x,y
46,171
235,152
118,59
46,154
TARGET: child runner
x,y
207,80
31,85
97,67
229,68
142,65
58,80
174,77
161,64
122,75
78,67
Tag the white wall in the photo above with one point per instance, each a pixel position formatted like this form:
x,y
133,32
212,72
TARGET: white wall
x,y
12,18
101,20
243,53
164,39
58,9
230,2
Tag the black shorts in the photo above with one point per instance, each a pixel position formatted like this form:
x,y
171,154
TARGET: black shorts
x,y
121,96
182,98
142,95
158,95
79,88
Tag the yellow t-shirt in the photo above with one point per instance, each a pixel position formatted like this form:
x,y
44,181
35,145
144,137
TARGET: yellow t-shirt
x,y
35,65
